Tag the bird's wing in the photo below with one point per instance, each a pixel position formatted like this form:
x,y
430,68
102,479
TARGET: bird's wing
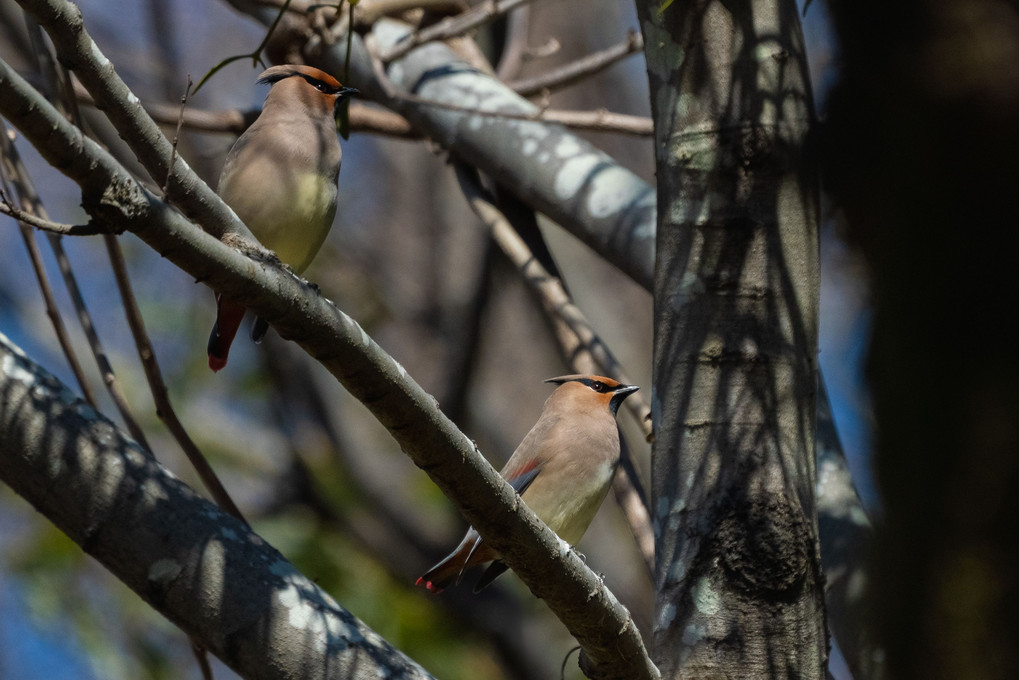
x,y
520,478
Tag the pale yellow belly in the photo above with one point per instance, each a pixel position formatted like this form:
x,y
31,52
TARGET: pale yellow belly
x,y
291,218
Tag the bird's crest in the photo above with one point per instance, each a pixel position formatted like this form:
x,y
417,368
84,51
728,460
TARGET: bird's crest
x,y
317,78
615,392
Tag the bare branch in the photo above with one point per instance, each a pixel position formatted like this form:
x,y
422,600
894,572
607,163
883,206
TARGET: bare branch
x,y
63,23
596,121
14,171
601,121
452,27
575,71
176,550
160,395
176,136
9,209
84,316
551,570
515,48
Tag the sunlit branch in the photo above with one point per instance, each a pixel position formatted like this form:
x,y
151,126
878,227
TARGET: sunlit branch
x,y
556,575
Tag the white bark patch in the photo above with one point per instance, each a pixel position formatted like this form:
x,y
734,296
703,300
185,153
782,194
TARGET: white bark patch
x,y
609,190
99,57
567,146
705,597
11,367
693,633
164,571
152,488
320,620
575,172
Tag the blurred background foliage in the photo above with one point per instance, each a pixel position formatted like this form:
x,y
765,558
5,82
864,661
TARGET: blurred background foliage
x,y
317,476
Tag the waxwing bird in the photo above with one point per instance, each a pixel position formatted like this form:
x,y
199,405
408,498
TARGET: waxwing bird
x,y
280,178
562,470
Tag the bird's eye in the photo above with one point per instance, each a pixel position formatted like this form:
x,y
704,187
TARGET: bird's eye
x,y
322,87
599,386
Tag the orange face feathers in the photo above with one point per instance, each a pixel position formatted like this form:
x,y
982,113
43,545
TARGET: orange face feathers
x,y
603,390
312,87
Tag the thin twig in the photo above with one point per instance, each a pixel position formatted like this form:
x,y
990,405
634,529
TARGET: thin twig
x,y
147,355
601,120
452,27
512,57
156,384
597,121
13,166
363,118
370,11
256,56
583,348
160,395
612,643
202,657
586,66
28,219
50,70
176,137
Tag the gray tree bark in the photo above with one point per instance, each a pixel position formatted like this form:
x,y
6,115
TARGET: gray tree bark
x,y
740,589
201,568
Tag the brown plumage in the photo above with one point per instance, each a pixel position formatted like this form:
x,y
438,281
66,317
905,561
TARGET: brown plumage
x,y
562,470
280,178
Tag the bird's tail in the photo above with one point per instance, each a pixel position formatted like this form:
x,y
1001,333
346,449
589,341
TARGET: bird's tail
x,y
470,552
228,320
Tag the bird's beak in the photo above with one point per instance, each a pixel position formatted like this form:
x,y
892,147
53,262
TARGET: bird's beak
x,y
347,92
619,395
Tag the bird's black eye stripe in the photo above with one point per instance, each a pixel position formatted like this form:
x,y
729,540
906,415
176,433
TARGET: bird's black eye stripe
x,y
596,385
322,87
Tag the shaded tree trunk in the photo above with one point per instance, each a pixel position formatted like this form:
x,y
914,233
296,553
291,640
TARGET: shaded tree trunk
x,y
923,127
740,592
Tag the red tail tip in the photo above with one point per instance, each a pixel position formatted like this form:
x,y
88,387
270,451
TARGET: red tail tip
x,y
428,585
216,363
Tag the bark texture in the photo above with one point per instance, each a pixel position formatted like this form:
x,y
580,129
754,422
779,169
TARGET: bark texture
x,y
201,568
740,591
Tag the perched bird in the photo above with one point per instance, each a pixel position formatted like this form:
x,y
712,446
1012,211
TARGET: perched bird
x,y
280,178
562,471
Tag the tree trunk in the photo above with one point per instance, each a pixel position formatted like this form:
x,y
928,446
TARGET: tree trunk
x,y
740,592
923,127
